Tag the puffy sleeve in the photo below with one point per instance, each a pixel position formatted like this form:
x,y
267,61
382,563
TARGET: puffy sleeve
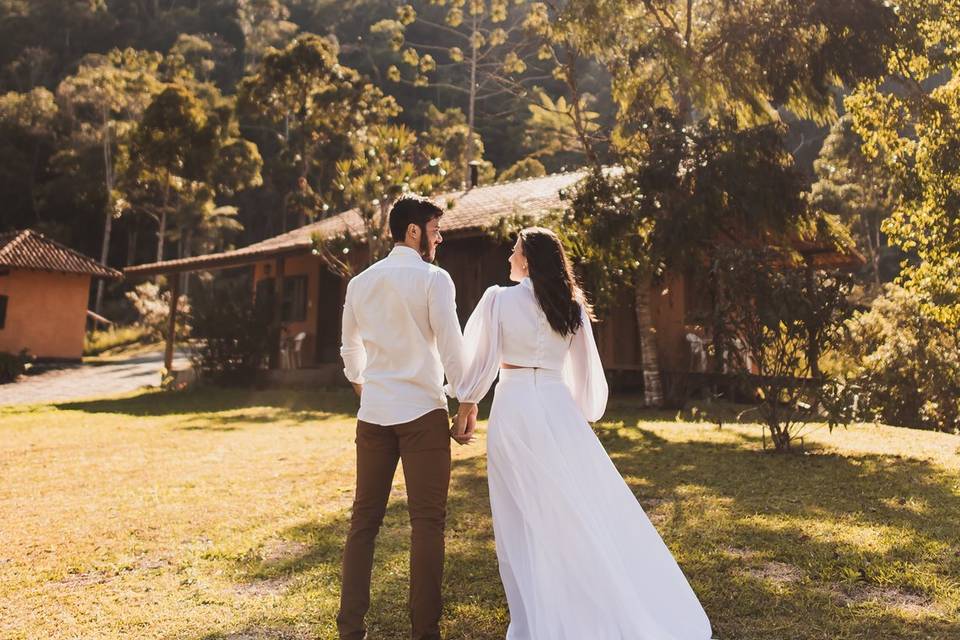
x,y
481,339
583,372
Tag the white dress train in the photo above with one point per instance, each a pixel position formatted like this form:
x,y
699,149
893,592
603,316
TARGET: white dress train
x,y
579,558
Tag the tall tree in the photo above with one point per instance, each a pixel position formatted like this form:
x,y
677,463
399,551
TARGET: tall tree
x,y
911,124
265,24
857,189
184,154
105,96
27,131
480,49
313,107
699,58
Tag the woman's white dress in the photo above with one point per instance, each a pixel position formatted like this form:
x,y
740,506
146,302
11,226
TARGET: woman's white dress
x,y
578,557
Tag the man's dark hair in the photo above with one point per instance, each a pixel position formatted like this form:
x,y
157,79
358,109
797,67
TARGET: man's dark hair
x,y
409,210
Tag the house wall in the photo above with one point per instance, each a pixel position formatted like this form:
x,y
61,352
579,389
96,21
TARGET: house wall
x,y
475,263
46,313
298,265
667,301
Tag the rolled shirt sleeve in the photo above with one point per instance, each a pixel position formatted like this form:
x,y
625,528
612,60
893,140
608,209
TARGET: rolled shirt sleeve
x,y
351,348
442,307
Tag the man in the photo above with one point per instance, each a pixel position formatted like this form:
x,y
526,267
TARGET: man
x,y
400,334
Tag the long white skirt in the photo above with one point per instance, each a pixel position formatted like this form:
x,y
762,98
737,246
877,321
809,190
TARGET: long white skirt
x,y
578,557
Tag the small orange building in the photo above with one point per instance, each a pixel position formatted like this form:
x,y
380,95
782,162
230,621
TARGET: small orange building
x,y
44,289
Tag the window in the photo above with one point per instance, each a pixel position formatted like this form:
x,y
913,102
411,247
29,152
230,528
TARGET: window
x,y
3,311
294,299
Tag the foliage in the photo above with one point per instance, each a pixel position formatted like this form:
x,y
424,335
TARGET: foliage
x,y
552,126
13,365
386,163
526,168
912,126
905,363
780,317
444,141
98,341
316,106
669,205
714,56
153,307
28,134
480,49
860,192
186,153
233,334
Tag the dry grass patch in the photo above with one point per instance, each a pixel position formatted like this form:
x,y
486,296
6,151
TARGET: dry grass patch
x,y
221,514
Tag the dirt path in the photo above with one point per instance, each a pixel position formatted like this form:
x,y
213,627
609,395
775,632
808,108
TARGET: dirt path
x,y
73,382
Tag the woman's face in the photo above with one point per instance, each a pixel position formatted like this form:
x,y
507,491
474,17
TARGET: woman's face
x,y
518,263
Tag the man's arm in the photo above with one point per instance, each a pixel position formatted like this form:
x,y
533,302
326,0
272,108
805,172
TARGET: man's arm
x,y
442,306
351,348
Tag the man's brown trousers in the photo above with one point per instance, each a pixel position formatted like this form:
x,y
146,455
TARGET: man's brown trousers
x,y
423,445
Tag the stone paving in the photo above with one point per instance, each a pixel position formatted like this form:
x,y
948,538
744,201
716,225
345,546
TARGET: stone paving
x,y
73,382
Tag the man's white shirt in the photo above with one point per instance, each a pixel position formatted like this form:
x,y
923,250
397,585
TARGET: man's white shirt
x,y
400,335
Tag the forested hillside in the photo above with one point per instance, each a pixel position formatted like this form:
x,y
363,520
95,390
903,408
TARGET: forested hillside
x,y
83,132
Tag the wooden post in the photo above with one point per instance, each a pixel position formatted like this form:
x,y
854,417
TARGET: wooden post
x,y
277,312
172,322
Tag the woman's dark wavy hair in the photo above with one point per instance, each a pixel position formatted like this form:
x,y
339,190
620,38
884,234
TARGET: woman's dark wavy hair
x,y
554,282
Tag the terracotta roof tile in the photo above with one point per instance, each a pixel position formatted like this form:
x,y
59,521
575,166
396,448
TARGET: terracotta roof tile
x,y
469,210
29,249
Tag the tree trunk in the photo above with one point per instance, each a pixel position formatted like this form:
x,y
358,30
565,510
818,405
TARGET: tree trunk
x,y
652,388
187,253
163,219
578,122
131,246
171,324
813,343
108,218
471,107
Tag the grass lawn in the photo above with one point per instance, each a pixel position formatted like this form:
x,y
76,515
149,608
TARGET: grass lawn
x,y
221,514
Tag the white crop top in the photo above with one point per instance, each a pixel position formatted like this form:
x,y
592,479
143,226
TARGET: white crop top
x,y
509,327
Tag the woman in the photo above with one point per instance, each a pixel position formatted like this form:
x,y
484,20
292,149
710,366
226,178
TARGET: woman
x,y
578,557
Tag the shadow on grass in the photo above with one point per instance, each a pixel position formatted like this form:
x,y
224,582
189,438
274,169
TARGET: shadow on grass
x,y
768,503
474,606
210,401
730,513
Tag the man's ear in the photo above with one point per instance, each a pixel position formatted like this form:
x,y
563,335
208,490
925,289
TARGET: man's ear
x,y
412,229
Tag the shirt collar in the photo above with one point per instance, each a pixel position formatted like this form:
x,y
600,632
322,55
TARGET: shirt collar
x,y
403,252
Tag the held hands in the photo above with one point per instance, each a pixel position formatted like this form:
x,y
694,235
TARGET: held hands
x,y
465,424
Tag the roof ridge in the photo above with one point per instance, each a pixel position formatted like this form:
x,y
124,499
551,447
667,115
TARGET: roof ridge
x,y
510,182
18,238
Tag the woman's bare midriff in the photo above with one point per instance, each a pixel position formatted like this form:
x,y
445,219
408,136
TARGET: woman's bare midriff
x,y
513,366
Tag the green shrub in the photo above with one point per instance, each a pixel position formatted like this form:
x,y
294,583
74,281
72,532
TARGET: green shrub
x,y
906,364
233,335
12,365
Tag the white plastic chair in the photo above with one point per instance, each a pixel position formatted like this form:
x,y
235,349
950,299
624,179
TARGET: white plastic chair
x,y
698,354
295,351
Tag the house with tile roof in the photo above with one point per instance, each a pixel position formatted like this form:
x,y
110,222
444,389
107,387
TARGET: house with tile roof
x,y
310,297
44,291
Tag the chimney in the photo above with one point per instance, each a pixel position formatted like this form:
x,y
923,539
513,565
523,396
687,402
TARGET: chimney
x,y
474,174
